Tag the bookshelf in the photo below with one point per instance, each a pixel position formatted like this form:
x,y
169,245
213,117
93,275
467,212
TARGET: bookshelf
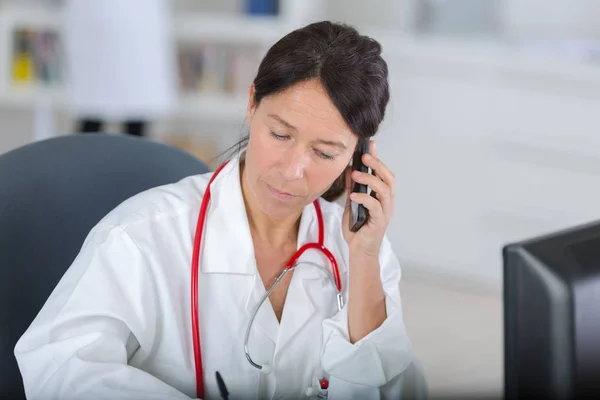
x,y
24,82
217,55
191,31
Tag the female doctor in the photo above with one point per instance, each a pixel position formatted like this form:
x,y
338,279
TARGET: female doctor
x,y
120,322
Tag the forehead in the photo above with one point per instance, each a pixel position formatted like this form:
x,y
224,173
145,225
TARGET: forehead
x,y
308,108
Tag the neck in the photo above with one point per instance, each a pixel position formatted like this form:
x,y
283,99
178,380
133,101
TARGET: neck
x,y
274,231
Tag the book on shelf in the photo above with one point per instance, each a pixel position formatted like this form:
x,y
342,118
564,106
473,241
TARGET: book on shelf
x,y
217,68
36,57
262,7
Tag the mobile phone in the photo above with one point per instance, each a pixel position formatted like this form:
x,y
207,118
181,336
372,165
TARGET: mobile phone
x,y
358,213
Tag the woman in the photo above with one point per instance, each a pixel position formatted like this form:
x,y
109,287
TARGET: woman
x,y
118,324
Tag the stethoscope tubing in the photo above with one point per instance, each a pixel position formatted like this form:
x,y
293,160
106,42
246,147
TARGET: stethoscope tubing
x,y
340,304
289,266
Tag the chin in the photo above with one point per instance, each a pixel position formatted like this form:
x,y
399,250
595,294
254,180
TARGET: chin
x,y
278,208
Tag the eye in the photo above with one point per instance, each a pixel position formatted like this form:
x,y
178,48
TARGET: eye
x,y
279,137
324,156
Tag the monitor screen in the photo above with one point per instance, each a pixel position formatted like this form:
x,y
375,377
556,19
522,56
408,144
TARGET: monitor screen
x,y
552,315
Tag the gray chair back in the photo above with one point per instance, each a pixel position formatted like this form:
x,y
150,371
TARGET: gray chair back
x,y
52,193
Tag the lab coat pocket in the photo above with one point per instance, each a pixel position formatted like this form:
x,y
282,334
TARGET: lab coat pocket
x,y
318,391
342,390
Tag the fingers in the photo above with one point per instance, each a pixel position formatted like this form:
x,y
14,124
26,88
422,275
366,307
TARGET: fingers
x,y
381,183
377,186
380,169
373,182
372,204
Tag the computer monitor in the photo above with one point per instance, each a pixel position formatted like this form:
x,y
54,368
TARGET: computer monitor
x,y
552,316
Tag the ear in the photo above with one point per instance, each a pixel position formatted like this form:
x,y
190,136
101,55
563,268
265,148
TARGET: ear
x,y
251,104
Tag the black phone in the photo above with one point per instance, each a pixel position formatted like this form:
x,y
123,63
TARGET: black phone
x,y
358,213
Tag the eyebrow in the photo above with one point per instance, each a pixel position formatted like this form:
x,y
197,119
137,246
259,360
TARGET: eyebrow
x,y
293,128
283,122
339,145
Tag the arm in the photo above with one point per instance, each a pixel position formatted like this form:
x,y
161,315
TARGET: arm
x,y
365,346
101,312
373,365
366,301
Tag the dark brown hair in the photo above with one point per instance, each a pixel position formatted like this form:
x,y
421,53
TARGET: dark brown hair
x,y
348,65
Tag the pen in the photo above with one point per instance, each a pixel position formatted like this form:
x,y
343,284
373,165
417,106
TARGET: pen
x,y
222,387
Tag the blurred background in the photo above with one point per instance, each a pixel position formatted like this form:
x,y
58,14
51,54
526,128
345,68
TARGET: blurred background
x,y
490,128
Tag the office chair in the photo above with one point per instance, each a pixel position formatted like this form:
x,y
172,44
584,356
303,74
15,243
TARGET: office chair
x,y
51,195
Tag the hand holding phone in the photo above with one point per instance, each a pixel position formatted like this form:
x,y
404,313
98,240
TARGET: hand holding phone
x,y
358,213
370,206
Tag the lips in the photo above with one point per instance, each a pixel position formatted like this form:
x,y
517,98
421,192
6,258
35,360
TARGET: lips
x,y
279,194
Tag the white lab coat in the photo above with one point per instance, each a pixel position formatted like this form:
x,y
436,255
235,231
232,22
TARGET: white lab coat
x,y
118,323
120,58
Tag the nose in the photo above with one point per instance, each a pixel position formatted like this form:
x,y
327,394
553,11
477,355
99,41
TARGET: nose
x,y
293,164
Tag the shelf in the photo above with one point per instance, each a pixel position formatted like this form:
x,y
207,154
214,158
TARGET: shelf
x,y
31,16
244,29
216,107
213,106
30,96
241,29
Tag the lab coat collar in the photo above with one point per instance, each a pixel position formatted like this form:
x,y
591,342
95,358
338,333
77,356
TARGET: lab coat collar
x,y
228,236
227,231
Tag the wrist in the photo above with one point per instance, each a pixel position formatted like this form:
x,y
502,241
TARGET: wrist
x,y
363,256
364,266
365,246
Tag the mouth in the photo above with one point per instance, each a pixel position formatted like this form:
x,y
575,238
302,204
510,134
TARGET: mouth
x,y
279,194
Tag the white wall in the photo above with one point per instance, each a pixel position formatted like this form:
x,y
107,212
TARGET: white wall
x,y
489,148
556,19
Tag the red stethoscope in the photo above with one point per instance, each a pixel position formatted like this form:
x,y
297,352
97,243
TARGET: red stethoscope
x,y
288,266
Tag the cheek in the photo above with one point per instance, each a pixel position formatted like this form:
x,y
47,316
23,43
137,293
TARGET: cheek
x,y
260,158
323,177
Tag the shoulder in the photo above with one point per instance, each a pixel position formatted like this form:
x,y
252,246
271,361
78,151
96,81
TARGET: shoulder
x,y
136,232
160,202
